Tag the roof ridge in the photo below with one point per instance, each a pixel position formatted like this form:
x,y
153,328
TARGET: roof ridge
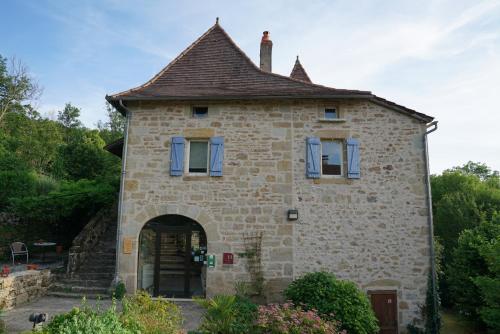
x,y
172,62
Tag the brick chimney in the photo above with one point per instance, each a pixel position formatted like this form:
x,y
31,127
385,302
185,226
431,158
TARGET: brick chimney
x,y
266,51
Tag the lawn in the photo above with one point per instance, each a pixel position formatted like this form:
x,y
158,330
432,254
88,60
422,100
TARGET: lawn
x,y
453,323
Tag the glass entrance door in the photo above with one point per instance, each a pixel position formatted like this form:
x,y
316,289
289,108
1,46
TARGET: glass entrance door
x,y
172,264
172,259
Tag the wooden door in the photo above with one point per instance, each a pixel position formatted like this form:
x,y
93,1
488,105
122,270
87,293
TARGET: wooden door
x,y
385,306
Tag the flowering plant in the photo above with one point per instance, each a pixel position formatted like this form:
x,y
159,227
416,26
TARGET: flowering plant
x,y
288,318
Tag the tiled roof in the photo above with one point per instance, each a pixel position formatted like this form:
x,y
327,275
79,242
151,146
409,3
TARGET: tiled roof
x,y
299,73
215,68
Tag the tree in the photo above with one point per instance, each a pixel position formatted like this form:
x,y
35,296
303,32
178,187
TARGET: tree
x,y
115,126
69,116
473,267
17,88
478,169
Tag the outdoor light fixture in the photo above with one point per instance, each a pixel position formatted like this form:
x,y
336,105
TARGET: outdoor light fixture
x,y
293,214
37,318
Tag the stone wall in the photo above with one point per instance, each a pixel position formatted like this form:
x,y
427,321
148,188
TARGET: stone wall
x,y
372,230
23,286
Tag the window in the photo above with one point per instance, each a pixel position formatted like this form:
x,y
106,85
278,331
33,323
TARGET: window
x,y
198,157
331,113
200,112
332,157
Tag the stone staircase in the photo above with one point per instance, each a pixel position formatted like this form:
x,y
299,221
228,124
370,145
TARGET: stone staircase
x,y
92,278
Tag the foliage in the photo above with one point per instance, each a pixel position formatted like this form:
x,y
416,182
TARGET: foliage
x,y
69,116
286,318
228,314
120,291
463,198
17,88
85,320
489,284
115,126
334,299
151,316
473,272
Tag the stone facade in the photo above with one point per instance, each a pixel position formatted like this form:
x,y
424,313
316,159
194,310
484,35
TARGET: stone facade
x,y
371,230
22,287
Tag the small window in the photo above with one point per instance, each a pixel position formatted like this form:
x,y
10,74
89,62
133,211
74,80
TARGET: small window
x,y
198,157
331,113
200,112
332,157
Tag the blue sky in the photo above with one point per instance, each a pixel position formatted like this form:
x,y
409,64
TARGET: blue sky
x,y
441,58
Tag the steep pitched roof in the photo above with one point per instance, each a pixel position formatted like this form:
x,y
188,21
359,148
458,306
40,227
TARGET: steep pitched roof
x,y
299,73
215,68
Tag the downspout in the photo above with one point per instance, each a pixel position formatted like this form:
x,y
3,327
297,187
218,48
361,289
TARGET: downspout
x,y
128,115
431,127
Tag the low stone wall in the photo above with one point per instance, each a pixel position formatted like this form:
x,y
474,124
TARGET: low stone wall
x,y
23,286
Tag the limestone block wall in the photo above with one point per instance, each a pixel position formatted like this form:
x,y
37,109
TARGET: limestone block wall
x,y
22,287
372,230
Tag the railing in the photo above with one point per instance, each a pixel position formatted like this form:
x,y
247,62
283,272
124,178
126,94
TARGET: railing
x,y
85,242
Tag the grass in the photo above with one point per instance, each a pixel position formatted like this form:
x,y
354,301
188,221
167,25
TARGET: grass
x,y
453,323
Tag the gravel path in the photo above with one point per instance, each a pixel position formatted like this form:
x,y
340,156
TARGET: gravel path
x,y
16,320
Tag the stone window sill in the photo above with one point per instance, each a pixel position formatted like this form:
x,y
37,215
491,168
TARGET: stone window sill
x,y
332,181
336,120
196,178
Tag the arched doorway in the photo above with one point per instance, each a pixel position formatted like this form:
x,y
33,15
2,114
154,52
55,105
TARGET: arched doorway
x,y
172,257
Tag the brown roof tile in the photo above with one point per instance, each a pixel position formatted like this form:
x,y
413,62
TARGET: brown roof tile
x,y
299,73
214,67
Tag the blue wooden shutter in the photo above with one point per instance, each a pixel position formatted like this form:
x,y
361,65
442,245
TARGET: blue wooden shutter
x,y
313,158
177,156
216,156
353,168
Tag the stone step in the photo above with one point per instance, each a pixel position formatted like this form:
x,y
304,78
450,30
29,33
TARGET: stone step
x,y
101,261
96,269
88,282
77,295
59,287
93,276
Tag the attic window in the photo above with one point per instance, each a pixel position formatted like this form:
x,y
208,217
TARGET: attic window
x,y
331,113
200,112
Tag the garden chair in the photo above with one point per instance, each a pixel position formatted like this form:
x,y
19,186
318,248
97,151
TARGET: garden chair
x,y
18,249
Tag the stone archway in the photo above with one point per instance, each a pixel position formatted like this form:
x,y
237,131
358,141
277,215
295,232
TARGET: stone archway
x,y
172,252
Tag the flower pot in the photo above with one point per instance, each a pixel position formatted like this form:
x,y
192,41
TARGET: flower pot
x,y
59,249
5,271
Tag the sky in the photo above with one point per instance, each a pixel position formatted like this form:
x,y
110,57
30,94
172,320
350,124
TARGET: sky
x,y
441,58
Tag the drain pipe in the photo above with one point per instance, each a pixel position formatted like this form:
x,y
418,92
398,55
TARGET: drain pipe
x,y
128,116
431,127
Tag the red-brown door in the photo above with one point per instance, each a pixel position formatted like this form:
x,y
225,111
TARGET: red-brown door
x,y
385,305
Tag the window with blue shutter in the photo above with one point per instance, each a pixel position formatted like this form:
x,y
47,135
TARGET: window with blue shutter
x,y
177,156
216,156
353,167
313,158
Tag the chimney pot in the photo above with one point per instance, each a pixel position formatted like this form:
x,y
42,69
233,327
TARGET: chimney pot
x,y
266,49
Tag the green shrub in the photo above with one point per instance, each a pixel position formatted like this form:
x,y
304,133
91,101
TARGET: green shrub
x,y
334,299
120,291
228,314
87,321
287,318
151,316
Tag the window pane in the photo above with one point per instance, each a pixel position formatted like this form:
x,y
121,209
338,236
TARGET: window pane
x,y
331,157
198,155
330,113
200,111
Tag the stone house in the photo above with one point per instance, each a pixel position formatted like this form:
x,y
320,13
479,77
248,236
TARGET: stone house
x,y
232,173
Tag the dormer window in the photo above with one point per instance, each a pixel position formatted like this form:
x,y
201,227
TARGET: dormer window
x,y
200,112
331,113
